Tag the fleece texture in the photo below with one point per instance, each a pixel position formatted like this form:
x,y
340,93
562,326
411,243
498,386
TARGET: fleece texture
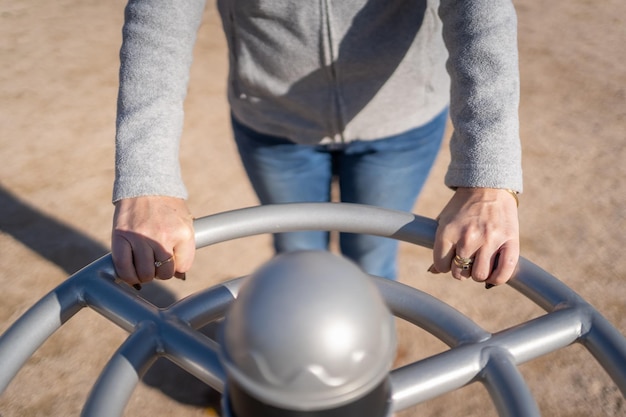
x,y
326,72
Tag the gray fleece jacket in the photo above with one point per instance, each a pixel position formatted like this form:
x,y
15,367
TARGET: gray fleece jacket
x,y
326,71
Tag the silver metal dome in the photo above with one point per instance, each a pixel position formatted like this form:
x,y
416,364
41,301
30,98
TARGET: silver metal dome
x,y
308,331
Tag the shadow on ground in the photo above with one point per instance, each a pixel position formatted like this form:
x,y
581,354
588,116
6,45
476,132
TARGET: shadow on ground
x,y
71,250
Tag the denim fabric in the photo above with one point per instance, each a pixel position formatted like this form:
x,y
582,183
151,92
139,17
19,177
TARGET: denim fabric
x,y
388,172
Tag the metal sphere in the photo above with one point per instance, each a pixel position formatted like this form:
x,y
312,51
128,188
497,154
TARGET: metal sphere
x,y
308,331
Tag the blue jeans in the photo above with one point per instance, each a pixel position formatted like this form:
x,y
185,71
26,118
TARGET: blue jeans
x,y
388,172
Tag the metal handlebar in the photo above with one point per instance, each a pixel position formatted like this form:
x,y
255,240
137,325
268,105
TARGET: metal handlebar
x,y
474,353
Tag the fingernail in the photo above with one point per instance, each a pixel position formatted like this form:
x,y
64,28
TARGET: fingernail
x,y
488,285
432,269
180,275
137,286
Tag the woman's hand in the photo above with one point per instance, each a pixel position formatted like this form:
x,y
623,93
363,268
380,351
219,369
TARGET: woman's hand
x,y
152,237
480,227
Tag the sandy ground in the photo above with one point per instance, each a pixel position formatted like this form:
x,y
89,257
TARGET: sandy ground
x,y
57,98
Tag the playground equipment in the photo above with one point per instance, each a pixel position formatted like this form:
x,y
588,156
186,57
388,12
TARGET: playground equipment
x,y
474,354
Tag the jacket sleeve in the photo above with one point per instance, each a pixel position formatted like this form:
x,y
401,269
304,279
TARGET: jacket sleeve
x,y
155,59
481,38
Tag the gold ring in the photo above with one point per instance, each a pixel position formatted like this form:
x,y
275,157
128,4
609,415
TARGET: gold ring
x,y
463,263
159,263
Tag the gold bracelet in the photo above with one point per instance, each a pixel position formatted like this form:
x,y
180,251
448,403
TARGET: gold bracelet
x,y
514,194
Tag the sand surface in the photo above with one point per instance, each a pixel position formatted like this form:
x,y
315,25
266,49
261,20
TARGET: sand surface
x,y
58,84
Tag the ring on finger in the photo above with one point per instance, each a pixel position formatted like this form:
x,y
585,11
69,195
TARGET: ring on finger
x,y
159,263
463,263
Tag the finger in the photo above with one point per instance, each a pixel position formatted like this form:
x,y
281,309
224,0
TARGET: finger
x,y
185,252
143,259
122,254
461,270
443,252
484,262
164,265
505,264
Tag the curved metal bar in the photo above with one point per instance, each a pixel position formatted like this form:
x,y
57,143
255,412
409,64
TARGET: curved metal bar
x,y
477,355
278,218
123,308
608,347
193,352
603,340
532,281
425,311
455,368
203,307
25,336
543,288
95,286
116,383
177,340
507,387
20,341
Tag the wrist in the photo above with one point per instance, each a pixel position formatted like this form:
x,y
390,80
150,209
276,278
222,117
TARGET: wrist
x,y
514,194
488,190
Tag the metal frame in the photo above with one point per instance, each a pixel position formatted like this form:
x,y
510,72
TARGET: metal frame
x,y
475,354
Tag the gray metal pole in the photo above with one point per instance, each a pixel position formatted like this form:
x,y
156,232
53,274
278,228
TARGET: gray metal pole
x,y
116,383
507,387
26,335
457,367
475,355
33,328
278,218
425,311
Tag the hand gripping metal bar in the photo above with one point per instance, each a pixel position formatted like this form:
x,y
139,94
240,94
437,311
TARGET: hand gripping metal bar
x,y
475,355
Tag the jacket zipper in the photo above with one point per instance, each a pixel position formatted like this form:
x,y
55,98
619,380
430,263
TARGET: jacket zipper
x,y
329,57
